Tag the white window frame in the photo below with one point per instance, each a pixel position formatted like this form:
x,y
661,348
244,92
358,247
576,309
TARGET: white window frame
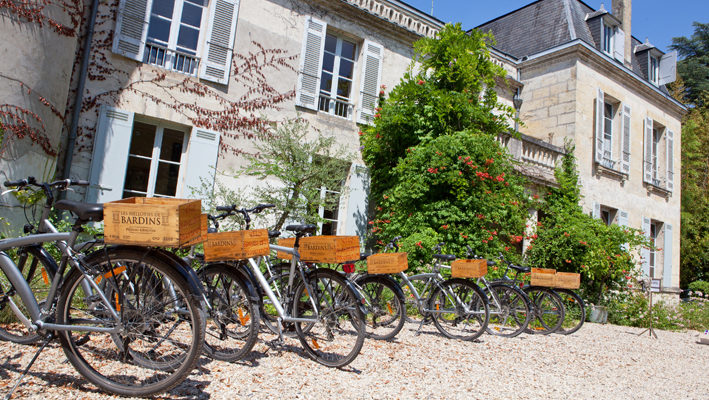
x,y
155,159
653,72
607,42
336,208
608,136
334,104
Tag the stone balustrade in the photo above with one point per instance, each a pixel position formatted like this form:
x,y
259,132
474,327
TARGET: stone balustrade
x,y
537,159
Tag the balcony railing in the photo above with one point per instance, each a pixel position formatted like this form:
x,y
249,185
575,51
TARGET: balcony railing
x,y
335,106
537,158
172,60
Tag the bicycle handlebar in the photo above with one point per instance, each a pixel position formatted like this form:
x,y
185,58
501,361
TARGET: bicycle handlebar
x,y
393,244
31,181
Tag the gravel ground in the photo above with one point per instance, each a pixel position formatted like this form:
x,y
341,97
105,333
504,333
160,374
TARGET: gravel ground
x,y
598,362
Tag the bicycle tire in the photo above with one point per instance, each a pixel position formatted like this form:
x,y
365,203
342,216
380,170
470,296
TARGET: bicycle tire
x,y
162,322
450,315
548,310
233,321
424,286
385,306
38,268
514,313
336,338
574,311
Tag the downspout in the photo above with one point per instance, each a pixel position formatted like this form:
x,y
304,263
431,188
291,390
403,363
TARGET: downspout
x,y
69,153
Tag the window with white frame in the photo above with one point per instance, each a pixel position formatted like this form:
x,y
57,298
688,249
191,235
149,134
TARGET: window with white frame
x,y
607,38
332,66
154,161
337,76
608,215
653,72
658,165
194,37
612,133
657,259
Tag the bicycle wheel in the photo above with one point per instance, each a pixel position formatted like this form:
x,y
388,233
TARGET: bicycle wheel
x,y
38,268
574,311
385,307
233,321
459,309
509,310
161,324
336,334
423,286
548,310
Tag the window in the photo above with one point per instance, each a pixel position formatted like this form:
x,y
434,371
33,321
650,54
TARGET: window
x,y
154,161
653,70
173,34
608,215
329,211
327,76
194,37
658,166
608,135
657,261
656,138
612,134
337,75
607,38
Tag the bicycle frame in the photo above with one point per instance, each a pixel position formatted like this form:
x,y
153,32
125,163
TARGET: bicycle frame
x,y
434,278
37,313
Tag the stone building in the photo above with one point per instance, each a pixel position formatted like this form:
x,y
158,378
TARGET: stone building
x,y
585,78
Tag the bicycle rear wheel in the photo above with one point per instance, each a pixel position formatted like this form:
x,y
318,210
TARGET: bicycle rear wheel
x,y
38,269
385,307
233,323
336,335
548,310
162,324
574,311
459,309
509,310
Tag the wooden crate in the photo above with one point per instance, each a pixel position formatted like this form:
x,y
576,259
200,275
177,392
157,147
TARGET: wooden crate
x,y
468,268
567,280
151,221
204,225
543,277
324,249
387,263
236,245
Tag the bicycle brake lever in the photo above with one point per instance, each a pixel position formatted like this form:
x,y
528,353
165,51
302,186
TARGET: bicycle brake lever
x,y
9,190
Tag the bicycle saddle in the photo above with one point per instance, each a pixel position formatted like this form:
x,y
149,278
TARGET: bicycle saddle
x,y
520,268
304,228
274,234
445,257
84,211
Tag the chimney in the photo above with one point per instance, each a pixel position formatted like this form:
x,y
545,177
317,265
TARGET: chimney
x,y
622,11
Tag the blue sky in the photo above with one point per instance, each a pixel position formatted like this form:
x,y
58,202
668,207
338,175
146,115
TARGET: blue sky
x,y
658,20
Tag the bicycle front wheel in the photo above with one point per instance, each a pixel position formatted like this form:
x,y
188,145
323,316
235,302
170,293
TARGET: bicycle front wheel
x,y
385,307
459,309
548,310
336,333
574,311
160,326
38,268
510,310
233,323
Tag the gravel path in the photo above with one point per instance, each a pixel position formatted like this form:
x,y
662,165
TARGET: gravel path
x,y
598,362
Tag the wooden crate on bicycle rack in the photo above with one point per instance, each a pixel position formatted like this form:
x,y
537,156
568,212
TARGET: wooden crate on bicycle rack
x,y
468,268
323,249
567,280
236,245
204,225
543,277
387,263
152,221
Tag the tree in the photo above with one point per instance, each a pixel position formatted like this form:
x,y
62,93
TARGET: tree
x,y
296,166
694,66
437,172
569,240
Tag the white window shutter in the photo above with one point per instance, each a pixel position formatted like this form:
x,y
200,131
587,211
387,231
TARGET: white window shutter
x,y
619,45
647,157
369,85
132,28
109,158
625,141
668,68
201,160
645,252
599,126
356,222
308,90
596,213
670,160
623,220
216,59
667,251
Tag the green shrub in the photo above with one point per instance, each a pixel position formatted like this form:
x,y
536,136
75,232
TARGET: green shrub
x,y
632,310
700,286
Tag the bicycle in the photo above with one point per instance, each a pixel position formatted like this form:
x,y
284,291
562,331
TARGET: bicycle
x,y
547,306
458,308
510,308
111,310
574,311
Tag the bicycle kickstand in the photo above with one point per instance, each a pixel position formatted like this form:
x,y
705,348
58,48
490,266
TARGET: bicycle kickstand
x,y
49,337
423,321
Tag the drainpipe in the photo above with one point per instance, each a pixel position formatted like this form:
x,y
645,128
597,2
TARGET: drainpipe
x,y
517,101
69,153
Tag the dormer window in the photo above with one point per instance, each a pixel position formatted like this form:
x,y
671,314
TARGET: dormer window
x,y
653,70
607,39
